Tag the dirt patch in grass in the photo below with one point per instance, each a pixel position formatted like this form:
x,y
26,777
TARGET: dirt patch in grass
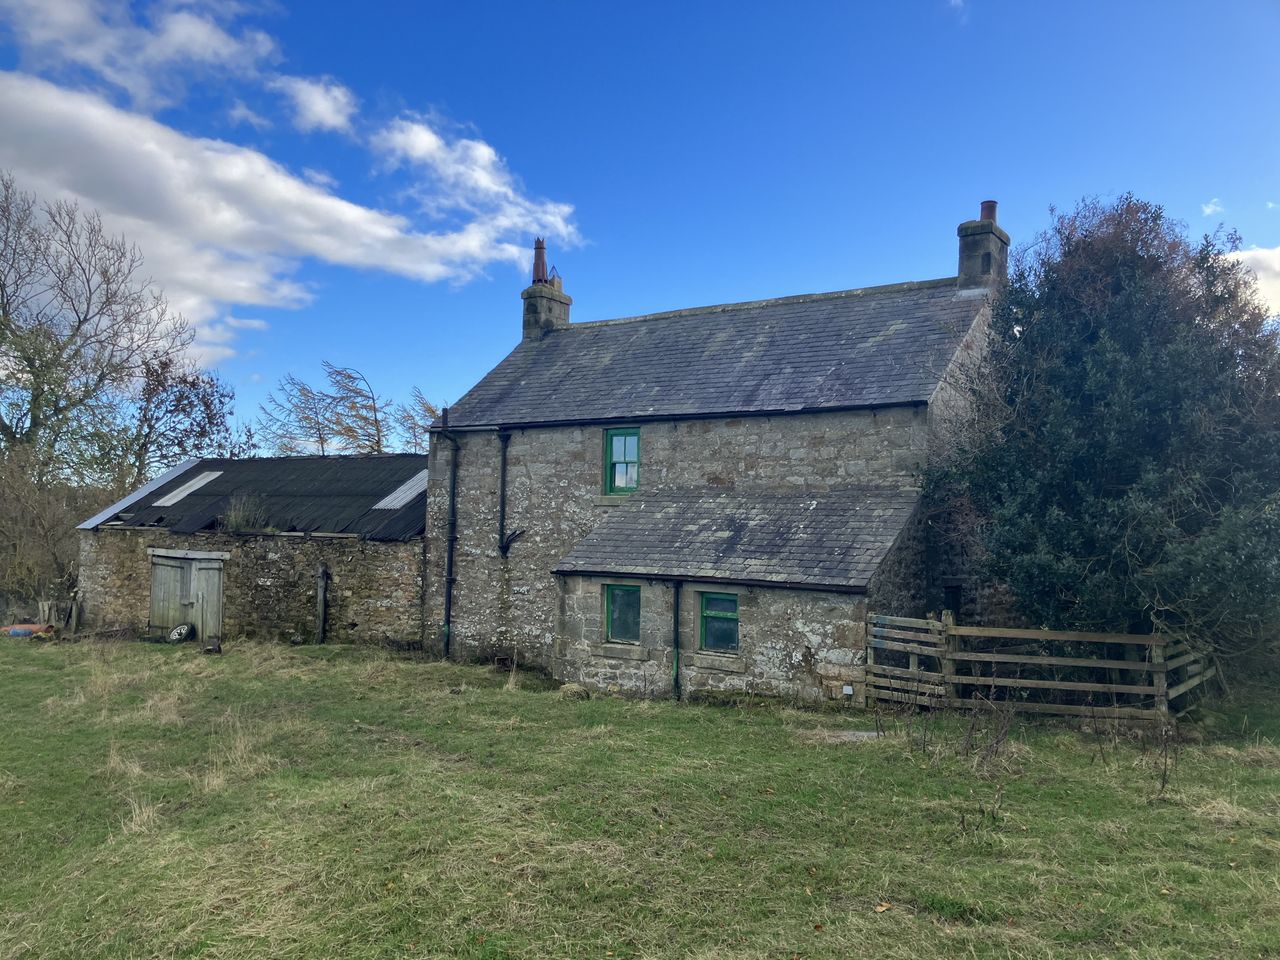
x,y
826,735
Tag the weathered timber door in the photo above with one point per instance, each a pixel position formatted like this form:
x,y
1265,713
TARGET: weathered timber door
x,y
186,590
169,579
206,590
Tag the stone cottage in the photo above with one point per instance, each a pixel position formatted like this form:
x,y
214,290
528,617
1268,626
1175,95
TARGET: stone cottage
x,y
295,548
704,499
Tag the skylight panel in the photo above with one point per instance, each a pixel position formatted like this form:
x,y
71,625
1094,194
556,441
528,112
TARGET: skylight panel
x,y
402,494
169,499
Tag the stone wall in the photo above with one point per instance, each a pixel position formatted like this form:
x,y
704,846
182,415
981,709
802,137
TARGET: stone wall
x,y
799,644
269,582
901,586
505,605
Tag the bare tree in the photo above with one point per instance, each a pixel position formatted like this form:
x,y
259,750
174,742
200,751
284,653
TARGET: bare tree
x,y
298,418
97,390
350,416
362,415
413,421
77,317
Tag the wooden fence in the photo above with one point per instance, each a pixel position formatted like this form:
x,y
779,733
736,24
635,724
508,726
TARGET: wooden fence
x,y
936,663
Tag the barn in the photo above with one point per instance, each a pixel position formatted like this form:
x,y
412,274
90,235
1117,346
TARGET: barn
x,y
295,548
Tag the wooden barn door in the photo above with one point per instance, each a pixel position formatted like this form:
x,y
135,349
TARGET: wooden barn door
x,y
169,577
207,593
186,590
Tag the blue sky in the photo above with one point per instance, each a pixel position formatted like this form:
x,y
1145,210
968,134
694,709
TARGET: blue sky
x,y
362,183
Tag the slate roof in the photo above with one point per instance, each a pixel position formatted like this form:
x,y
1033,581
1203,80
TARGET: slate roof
x,y
854,348
295,494
832,540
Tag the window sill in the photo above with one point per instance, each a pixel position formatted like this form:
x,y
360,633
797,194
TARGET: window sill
x,y
621,651
724,662
611,499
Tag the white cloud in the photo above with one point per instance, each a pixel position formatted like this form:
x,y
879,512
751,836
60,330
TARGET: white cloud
x,y
145,60
468,165
319,178
247,323
1271,204
1212,207
1265,263
318,104
223,225
241,112
465,174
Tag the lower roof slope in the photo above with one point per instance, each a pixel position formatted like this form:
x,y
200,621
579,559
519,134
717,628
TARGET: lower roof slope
x,y
854,348
833,540
379,497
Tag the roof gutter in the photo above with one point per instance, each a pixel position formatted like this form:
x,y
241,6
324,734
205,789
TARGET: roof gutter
x,y
676,417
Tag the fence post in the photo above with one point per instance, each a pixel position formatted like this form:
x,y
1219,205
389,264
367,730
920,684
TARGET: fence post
x,y
1160,679
868,696
945,661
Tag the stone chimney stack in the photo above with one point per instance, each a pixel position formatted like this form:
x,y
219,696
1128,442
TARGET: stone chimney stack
x,y
984,251
546,306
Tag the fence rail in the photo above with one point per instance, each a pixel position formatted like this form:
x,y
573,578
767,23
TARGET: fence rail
x,y
936,663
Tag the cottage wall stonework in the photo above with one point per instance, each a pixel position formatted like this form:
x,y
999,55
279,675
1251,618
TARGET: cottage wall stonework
x,y
799,644
374,594
511,605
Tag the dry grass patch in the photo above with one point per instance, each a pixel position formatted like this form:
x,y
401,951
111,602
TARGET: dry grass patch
x,y
119,765
142,817
70,701
828,736
1221,812
1254,755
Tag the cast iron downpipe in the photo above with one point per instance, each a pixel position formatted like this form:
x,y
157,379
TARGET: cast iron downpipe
x,y
451,538
675,637
504,542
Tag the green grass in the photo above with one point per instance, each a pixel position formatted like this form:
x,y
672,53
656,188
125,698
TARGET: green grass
x,y
336,802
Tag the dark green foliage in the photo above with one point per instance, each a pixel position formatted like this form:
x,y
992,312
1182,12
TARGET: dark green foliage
x,y
1124,458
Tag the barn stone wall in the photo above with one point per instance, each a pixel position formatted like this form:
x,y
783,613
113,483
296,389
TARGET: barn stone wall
x,y
510,605
799,644
374,593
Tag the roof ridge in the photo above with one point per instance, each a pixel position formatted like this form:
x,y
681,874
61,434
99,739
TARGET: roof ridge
x,y
312,456
767,301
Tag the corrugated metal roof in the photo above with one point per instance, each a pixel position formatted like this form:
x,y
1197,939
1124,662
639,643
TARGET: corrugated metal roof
x,y
402,494
334,495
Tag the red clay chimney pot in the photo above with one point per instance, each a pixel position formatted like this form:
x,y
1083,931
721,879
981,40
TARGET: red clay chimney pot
x,y
539,261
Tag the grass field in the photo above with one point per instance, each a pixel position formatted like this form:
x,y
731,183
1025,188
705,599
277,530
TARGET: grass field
x,y
336,802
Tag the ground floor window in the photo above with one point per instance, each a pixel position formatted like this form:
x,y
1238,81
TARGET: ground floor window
x,y
622,613
719,622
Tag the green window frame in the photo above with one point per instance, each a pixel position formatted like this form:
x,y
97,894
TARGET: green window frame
x,y
621,613
719,631
621,460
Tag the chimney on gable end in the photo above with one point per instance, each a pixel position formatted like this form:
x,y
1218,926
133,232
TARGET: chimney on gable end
x,y
984,251
546,306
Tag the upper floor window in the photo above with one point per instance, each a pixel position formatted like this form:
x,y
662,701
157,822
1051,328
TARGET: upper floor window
x,y
720,622
622,613
621,460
